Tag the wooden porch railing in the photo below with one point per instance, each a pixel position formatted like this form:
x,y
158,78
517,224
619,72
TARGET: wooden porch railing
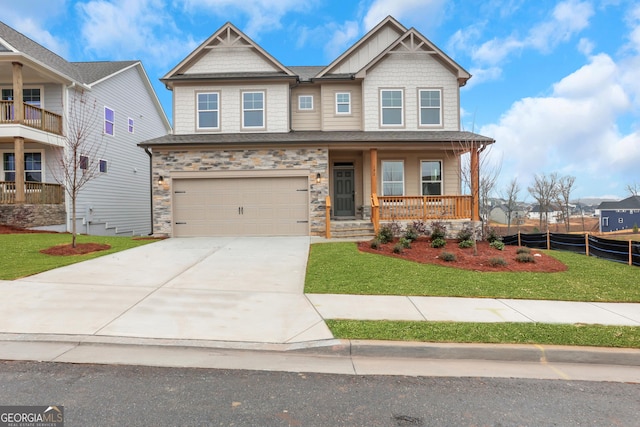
x,y
375,212
327,213
424,207
36,193
33,117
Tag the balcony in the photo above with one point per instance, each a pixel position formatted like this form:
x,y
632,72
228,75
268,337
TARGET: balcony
x,y
36,193
34,117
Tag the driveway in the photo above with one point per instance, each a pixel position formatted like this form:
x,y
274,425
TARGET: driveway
x,y
222,289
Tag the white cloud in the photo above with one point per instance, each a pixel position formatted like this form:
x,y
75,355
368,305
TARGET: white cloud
x,y
496,50
423,13
34,31
568,18
343,36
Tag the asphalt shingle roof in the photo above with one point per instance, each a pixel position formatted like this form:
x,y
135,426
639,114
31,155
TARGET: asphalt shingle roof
x,y
632,202
91,72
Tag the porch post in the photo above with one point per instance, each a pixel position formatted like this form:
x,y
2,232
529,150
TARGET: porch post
x,y
18,142
374,171
475,184
18,148
18,103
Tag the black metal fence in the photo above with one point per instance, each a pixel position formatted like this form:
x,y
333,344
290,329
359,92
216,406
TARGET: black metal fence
x,y
627,252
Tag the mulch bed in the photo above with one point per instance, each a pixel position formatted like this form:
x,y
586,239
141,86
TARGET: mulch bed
x,y
7,229
80,249
422,252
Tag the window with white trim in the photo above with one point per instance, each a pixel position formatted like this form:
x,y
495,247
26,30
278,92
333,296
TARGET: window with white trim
x,y
343,103
305,102
391,103
393,178
253,109
208,110
130,125
620,220
109,121
32,166
431,177
103,166
84,162
430,107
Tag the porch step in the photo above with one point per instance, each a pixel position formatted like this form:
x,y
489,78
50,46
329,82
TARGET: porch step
x,y
352,229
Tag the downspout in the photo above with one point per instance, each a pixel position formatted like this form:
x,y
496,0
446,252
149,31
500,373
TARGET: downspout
x,y
146,149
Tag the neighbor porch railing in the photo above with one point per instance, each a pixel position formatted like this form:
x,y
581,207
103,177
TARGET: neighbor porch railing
x,y
36,193
34,117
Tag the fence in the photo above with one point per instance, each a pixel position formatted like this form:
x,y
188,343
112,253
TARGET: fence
x,y
613,250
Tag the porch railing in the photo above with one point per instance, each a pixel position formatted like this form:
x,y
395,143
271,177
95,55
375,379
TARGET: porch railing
x,y
424,207
34,117
35,193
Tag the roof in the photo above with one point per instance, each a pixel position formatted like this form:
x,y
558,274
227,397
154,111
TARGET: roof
x,y
230,76
92,72
632,202
315,137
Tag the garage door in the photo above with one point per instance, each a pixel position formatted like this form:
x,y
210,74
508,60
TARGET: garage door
x,y
267,206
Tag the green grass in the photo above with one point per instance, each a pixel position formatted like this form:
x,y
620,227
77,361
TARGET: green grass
x,y
20,253
504,333
339,268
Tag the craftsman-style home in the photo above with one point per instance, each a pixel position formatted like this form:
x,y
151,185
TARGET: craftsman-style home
x,y
260,148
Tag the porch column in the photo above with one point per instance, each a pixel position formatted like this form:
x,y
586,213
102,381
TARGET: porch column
x,y
374,171
18,103
475,184
18,148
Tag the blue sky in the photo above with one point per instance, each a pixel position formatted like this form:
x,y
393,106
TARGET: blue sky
x,y
556,83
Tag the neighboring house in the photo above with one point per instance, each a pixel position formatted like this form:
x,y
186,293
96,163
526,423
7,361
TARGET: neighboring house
x,y
39,89
500,214
621,215
263,149
553,216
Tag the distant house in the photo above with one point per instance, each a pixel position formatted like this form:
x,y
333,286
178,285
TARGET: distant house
x,y
621,215
39,90
553,216
500,214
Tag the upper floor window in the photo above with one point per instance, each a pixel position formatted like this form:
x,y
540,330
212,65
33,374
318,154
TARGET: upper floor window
x,y
253,109
109,121
430,107
305,102
103,166
343,103
393,178
32,167
130,124
391,106
30,96
208,110
84,162
431,173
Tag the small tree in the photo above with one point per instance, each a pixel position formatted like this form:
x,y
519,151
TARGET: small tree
x,y
565,186
80,161
511,196
545,191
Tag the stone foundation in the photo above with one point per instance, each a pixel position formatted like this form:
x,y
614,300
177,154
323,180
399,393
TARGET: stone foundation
x,y
28,216
452,226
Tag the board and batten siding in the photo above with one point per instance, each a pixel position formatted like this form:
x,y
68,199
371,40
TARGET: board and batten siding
x,y
121,197
306,119
276,114
367,51
333,121
411,72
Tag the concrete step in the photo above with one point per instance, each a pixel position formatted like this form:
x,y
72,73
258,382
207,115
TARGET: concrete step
x,y
352,229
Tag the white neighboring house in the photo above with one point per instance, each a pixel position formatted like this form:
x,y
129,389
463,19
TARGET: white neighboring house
x,y
32,139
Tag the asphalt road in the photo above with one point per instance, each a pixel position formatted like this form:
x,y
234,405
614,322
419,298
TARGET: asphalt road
x,y
102,395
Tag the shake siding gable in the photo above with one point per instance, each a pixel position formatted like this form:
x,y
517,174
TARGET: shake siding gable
x,y
229,60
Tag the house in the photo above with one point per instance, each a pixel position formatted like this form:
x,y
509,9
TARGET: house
x,y
500,214
552,216
42,96
259,148
620,215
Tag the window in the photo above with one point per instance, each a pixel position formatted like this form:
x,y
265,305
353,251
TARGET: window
x,y
430,108
253,109
30,96
103,166
130,124
84,162
392,178
305,102
431,172
343,103
391,105
605,221
620,220
109,121
208,110
32,167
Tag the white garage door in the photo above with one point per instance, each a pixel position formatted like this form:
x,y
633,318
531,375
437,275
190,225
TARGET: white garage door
x,y
266,206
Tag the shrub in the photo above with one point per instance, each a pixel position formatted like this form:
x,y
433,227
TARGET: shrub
x,y
525,258
497,262
523,250
375,244
410,233
635,228
448,256
491,235
438,230
385,235
396,228
438,243
405,243
497,244
398,248
465,233
465,244
419,226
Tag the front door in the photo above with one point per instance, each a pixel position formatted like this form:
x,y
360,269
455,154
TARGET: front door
x,y
344,192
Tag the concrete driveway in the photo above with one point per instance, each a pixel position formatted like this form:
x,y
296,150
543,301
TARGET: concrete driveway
x,y
222,289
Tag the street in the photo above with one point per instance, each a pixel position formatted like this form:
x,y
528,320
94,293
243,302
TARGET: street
x,y
108,395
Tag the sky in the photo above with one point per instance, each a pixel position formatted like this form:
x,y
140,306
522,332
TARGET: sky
x,y
555,83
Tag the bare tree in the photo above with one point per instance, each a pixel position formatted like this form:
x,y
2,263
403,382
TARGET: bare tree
x,y
565,186
80,160
489,173
634,188
545,191
511,197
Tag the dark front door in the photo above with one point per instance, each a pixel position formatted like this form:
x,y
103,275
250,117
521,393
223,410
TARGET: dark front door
x,y
343,192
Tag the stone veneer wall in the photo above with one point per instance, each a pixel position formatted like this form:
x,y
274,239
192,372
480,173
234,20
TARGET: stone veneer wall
x,y
26,215
313,160
452,226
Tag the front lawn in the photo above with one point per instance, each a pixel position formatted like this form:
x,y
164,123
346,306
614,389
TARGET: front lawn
x,y
20,253
339,268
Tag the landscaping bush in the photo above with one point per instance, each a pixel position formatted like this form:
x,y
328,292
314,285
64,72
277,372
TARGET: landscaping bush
x,y
497,244
419,226
523,250
635,228
497,262
405,243
385,235
398,248
465,233
448,256
438,230
491,235
525,258
375,244
438,243
465,244
410,233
